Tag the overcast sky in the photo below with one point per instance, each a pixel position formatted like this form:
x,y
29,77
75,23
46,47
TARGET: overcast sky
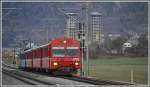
x,y
26,16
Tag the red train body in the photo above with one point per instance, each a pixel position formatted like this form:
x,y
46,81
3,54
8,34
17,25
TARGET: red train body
x,y
61,55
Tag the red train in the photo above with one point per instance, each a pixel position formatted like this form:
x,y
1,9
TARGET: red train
x,y
60,55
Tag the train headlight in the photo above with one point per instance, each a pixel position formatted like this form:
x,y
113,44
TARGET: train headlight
x,y
55,63
76,63
65,41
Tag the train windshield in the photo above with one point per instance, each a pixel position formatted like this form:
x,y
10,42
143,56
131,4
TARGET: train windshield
x,y
72,51
58,52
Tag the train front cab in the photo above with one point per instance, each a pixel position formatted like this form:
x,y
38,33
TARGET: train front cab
x,y
66,55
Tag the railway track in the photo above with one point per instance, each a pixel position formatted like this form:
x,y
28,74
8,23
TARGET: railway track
x,y
10,66
74,78
87,80
25,78
96,81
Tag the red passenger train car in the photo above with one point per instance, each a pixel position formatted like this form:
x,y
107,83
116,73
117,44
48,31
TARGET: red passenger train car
x,y
60,55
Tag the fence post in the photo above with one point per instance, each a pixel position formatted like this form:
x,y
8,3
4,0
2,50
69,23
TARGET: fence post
x,y
132,77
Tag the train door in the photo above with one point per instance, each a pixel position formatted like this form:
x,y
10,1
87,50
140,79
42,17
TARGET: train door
x,y
49,55
45,59
41,52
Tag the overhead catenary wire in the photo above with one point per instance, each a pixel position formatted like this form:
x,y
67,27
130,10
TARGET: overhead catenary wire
x,y
87,39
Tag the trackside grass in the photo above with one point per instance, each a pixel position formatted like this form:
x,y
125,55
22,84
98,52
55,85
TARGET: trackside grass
x,y
119,69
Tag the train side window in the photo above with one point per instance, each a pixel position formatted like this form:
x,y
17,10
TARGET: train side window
x,y
36,53
49,52
32,54
45,52
39,52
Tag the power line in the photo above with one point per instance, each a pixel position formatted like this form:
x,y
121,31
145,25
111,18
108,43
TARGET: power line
x,y
87,35
11,8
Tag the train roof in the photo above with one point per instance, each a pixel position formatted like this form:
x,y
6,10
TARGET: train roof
x,y
45,44
36,48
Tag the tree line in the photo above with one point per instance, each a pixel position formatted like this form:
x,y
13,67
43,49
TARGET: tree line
x,y
115,47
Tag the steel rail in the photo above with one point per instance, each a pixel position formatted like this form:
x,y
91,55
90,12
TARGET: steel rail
x,y
26,78
88,80
96,81
19,78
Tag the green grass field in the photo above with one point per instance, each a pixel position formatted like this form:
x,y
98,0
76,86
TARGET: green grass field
x,y
119,69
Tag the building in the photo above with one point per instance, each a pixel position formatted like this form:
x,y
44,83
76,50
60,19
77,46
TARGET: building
x,y
95,32
113,36
77,30
11,55
71,27
131,42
